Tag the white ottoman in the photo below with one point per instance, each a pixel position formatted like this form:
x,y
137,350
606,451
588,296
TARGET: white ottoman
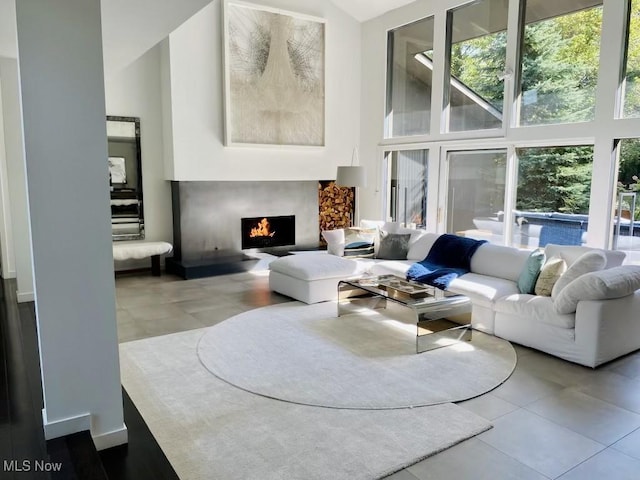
x,y
312,277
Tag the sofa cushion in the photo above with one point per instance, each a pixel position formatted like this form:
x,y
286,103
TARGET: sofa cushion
x,y
570,253
420,245
530,272
481,289
551,271
535,307
602,285
587,263
390,267
393,246
499,261
335,241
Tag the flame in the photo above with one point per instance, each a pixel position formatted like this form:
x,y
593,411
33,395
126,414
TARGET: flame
x,y
262,230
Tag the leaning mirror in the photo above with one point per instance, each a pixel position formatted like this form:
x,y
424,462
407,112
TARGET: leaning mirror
x,y
125,177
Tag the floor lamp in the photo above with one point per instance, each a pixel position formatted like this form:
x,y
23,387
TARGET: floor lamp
x,y
352,176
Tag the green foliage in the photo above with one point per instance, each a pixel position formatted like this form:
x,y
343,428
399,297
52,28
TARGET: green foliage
x,y
632,88
554,179
478,62
560,68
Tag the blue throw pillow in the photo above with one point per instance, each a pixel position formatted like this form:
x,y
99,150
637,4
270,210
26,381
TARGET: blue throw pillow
x,y
530,272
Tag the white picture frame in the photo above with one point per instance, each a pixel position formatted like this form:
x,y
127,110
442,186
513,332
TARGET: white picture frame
x,y
274,77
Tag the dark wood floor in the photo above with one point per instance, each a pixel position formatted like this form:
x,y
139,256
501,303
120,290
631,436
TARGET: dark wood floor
x,y
22,445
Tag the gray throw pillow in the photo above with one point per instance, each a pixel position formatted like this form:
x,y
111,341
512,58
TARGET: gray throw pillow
x,y
393,246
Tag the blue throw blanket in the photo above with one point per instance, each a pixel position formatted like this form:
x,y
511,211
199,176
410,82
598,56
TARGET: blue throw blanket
x,y
449,257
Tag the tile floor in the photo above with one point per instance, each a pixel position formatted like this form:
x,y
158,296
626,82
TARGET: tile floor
x,y
552,419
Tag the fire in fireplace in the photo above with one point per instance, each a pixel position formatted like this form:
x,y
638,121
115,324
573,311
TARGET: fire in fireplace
x,y
265,232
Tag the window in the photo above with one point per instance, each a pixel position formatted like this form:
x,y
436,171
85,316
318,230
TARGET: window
x,y
560,50
553,192
477,43
408,172
626,220
475,195
631,98
409,77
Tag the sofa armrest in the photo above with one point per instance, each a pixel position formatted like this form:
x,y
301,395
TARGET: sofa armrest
x,y
608,328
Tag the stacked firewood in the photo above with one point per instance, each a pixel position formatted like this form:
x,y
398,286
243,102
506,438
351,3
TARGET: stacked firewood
x,y
336,206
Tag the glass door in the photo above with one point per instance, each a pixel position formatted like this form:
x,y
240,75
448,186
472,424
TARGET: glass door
x,y
626,217
474,197
407,187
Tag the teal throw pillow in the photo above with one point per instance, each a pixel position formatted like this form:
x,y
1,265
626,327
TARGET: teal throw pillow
x,y
530,272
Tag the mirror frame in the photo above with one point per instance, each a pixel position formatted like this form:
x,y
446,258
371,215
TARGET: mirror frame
x,y
137,193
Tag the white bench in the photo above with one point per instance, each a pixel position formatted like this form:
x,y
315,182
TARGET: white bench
x,y
137,249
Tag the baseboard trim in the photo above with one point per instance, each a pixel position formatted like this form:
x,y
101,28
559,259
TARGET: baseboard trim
x,y
81,423
111,439
9,274
23,297
65,426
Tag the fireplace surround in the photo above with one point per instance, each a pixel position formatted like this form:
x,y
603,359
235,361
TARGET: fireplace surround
x,y
207,222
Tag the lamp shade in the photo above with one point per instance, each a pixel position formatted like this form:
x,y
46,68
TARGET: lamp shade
x,y
351,177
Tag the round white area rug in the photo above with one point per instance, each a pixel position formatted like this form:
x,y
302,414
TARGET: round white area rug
x,y
305,354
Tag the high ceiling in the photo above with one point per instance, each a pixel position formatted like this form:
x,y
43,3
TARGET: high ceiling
x,y
363,10
131,27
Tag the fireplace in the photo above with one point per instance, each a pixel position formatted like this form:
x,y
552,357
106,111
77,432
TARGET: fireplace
x,y
266,232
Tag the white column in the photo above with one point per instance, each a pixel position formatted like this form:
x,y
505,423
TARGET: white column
x,y
62,83
603,178
16,172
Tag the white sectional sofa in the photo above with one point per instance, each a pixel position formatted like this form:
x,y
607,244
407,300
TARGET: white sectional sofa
x,y
596,332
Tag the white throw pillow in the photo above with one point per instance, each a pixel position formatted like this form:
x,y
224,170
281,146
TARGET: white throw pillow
x,y
551,271
335,241
588,262
602,285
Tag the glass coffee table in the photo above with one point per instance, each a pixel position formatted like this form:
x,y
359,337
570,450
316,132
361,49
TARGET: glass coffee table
x,y
435,311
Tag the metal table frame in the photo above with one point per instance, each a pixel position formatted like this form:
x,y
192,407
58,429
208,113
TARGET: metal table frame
x,y
358,293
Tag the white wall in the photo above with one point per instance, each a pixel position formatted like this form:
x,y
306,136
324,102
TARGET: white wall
x,y
135,92
14,145
195,80
7,259
8,28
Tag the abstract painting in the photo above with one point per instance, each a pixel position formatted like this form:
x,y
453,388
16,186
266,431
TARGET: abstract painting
x,y
274,76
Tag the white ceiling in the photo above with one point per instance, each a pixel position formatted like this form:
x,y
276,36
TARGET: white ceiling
x,y
131,27
363,10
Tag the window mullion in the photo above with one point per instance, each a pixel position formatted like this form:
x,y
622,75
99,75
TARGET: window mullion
x,y
438,112
512,65
612,43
